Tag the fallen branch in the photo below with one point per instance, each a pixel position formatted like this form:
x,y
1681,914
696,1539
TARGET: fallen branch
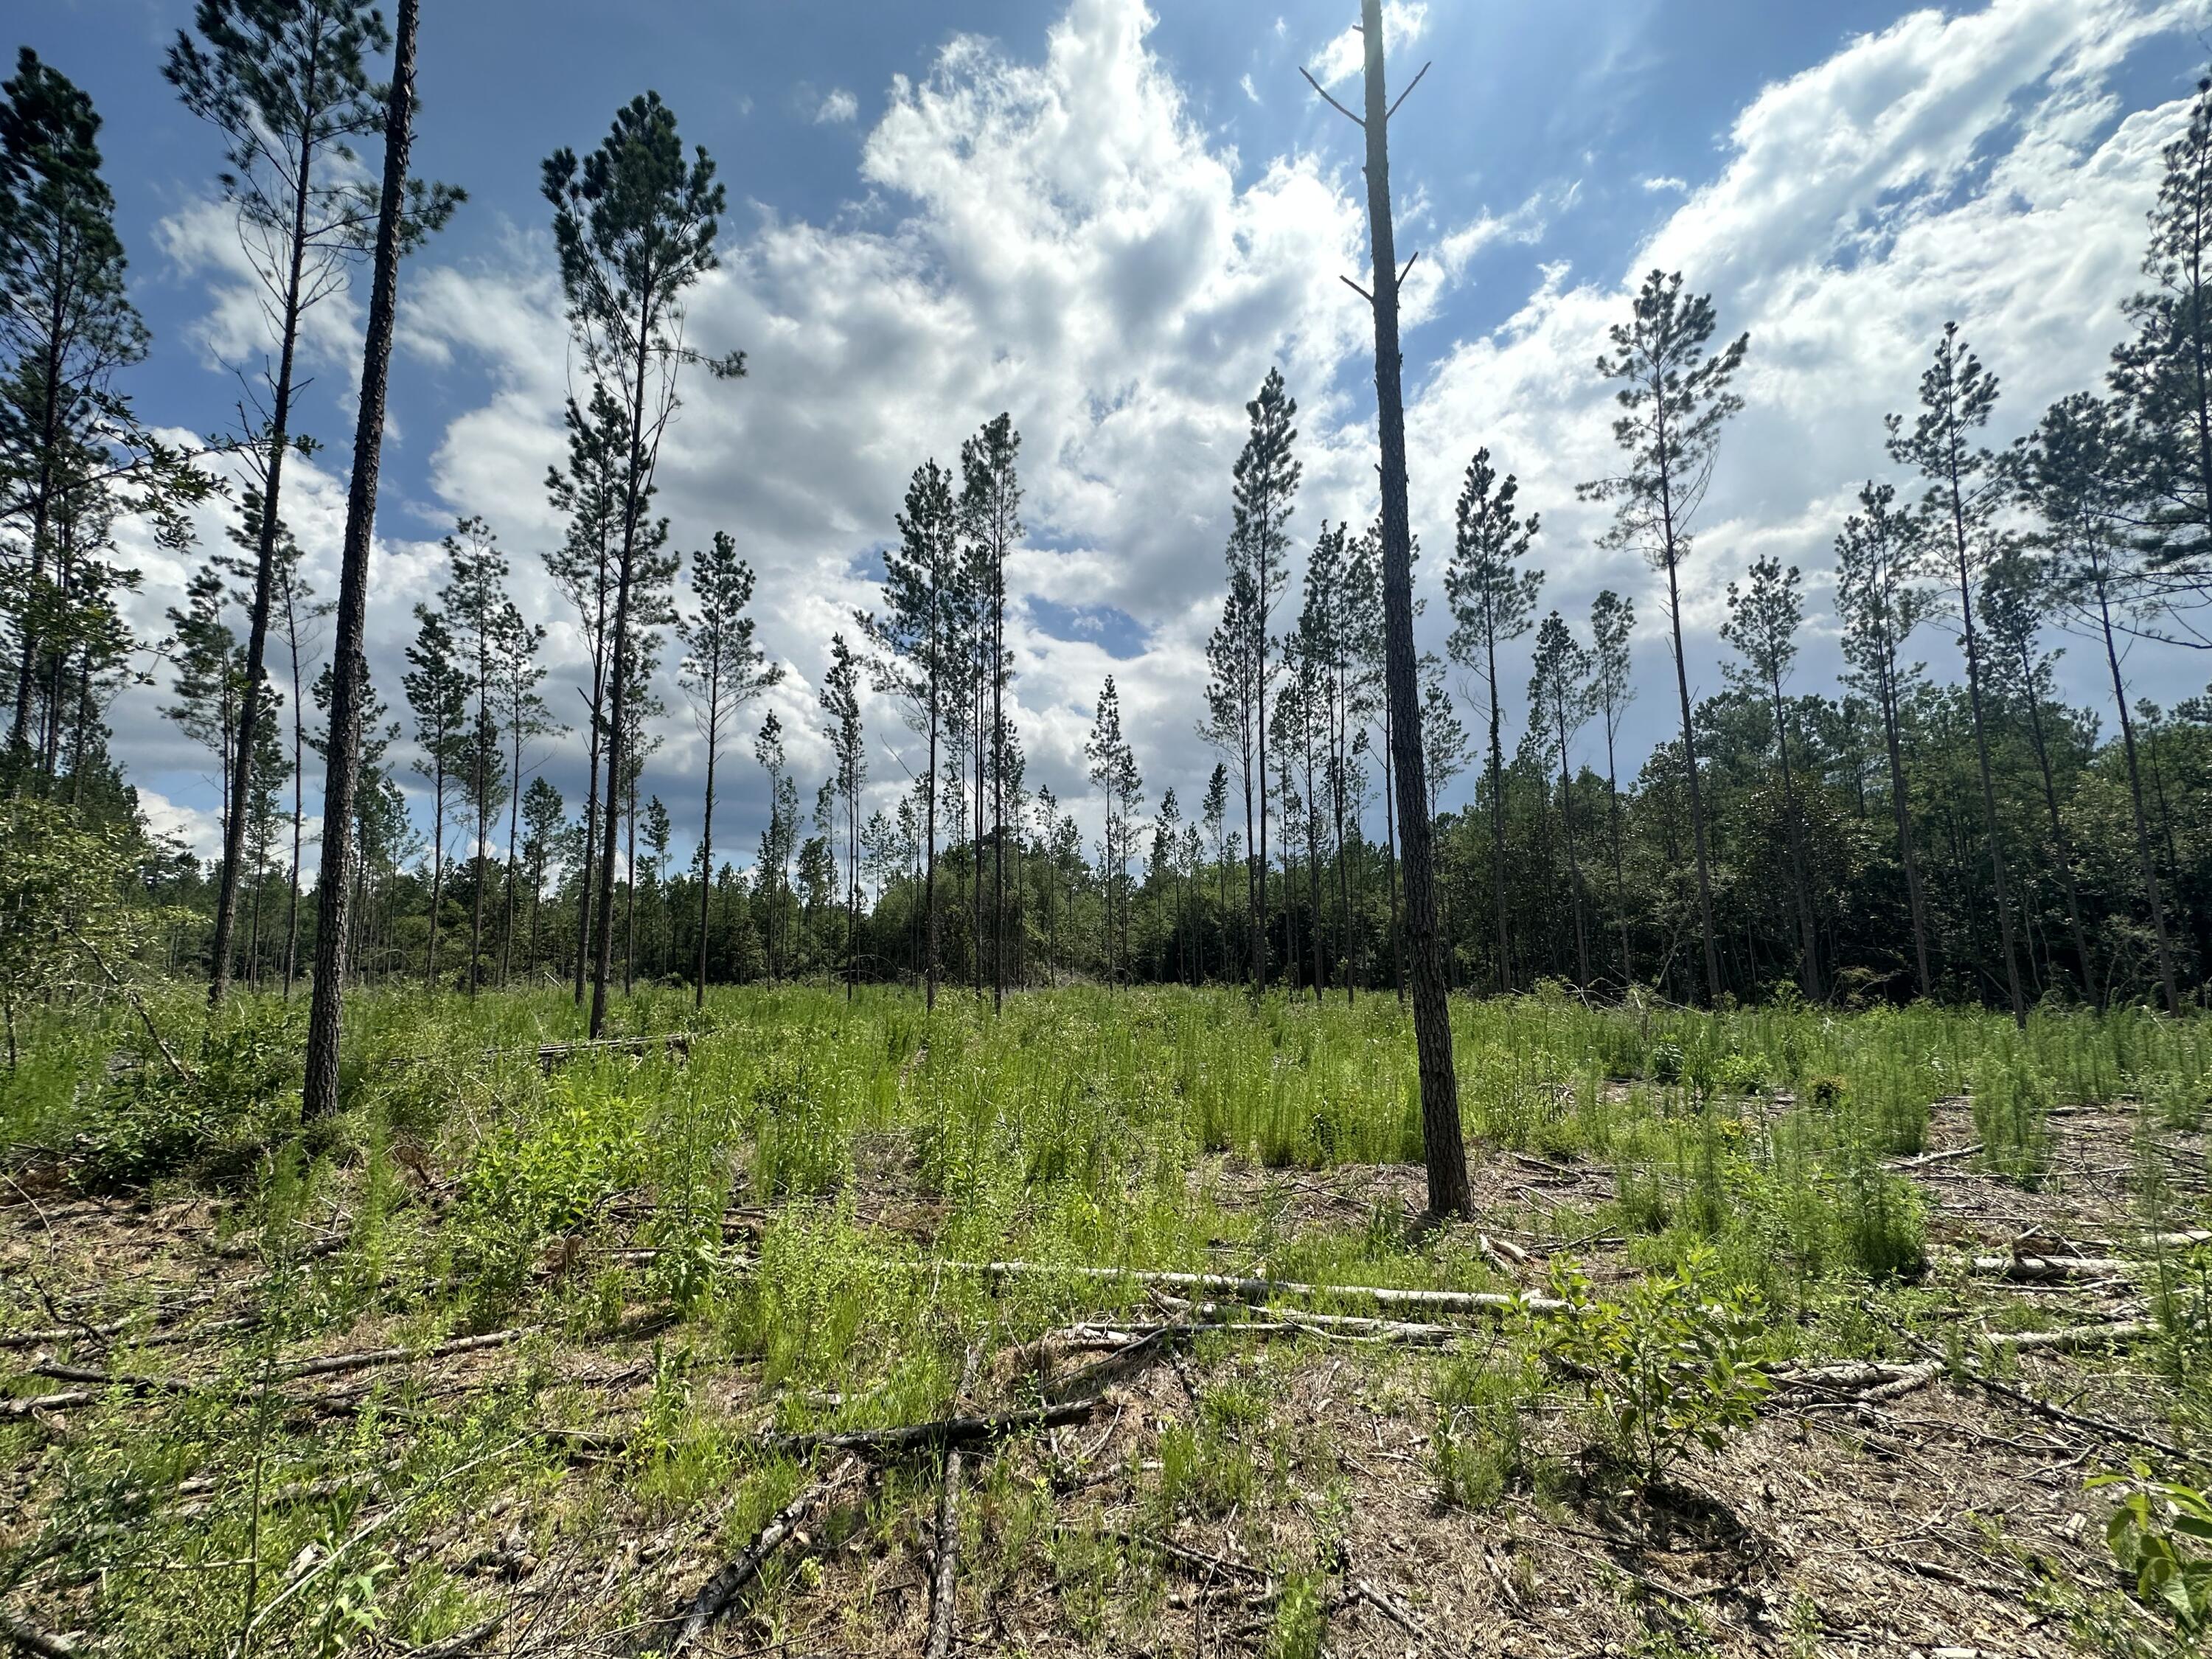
x,y
461,1642
1263,1290
32,1639
47,1402
1927,1159
2045,1409
139,1384
948,1533
331,1365
719,1594
551,1055
2034,1269
945,1432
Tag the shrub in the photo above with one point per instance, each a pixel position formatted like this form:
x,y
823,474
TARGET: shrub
x,y
1479,1444
1665,1367
2149,1535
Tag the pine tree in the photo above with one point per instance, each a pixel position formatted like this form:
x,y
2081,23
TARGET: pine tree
x,y
544,815
2163,376
1764,618
286,82
1559,698
475,604
73,454
1492,596
1879,604
1613,619
437,688
590,495
772,870
635,225
916,643
209,674
1213,812
1265,485
1966,485
2084,498
352,698
991,524
840,701
2014,595
1676,398
1445,1152
525,717
724,669
1114,769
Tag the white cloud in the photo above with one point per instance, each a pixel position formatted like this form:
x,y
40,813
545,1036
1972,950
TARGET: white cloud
x,y
1666,184
838,108
1404,22
1058,238
1250,91
1975,166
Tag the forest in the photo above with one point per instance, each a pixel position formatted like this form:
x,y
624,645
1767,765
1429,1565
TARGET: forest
x,y
1452,1175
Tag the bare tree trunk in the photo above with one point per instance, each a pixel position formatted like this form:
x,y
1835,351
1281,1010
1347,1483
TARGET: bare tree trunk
x,y
1445,1151
2136,799
257,637
349,680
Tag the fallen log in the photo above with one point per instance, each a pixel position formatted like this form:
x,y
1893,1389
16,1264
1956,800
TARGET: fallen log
x,y
720,1593
2038,1269
32,1639
551,1055
333,1364
65,1400
1263,1290
948,1533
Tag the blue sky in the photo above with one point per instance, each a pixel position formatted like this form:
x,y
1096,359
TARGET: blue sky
x,y
1111,222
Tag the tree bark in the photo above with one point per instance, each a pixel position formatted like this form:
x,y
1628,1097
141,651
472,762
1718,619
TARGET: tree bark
x,y
1445,1152
348,683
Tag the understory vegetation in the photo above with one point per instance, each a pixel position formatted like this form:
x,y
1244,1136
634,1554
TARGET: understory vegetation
x,y
521,1348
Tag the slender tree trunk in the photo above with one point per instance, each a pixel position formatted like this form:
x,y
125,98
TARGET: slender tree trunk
x,y
2143,853
298,808
1619,881
618,672
1498,825
2060,845
1448,1191
1574,861
706,838
1390,857
1809,924
1900,805
257,638
349,680
1690,768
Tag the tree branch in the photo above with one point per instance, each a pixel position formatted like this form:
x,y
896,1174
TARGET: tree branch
x,y
1356,289
1332,103
1404,95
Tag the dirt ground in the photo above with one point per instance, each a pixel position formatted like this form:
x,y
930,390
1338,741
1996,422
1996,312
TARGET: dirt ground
x,y
1923,1523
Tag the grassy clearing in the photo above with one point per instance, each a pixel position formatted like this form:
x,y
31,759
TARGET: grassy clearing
x,y
780,1231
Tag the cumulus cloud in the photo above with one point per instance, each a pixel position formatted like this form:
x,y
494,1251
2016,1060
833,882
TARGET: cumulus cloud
x,y
1975,166
1059,238
837,109
1666,184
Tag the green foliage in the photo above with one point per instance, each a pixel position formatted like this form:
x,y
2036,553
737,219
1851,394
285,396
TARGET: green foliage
x,y
2157,1534
242,1096
1479,1444
2012,1110
1666,1367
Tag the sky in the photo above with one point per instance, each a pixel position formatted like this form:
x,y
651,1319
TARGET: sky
x,y
1111,221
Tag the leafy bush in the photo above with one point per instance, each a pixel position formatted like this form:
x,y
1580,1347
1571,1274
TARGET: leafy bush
x,y
2147,1534
1665,1367
243,1093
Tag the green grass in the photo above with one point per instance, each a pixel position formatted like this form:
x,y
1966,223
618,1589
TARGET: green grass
x,y
800,1206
